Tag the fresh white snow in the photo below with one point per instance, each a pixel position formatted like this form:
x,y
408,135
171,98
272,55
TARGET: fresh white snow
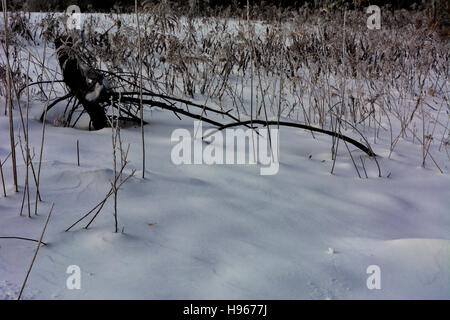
x,y
225,231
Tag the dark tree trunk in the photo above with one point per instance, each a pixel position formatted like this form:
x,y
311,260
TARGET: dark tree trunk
x,y
78,84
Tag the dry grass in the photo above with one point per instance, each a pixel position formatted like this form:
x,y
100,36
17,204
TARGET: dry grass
x,y
297,65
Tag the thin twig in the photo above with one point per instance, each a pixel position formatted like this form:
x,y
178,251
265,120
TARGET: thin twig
x,y
8,95
141,109
78,153
36,252
22,238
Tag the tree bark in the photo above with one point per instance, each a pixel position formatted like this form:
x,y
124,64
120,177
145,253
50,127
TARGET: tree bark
x,y
78,84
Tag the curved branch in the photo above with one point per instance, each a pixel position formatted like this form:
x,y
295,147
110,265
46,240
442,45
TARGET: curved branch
x,y
54,103
34,83
187,102
22,238
220,126
357,144
163,105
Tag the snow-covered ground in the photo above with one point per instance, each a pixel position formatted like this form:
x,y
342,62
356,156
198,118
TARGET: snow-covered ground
x,y
225,231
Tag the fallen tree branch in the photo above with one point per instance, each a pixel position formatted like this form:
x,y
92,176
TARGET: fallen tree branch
x,y
220,126
77,82
165,106
187,102
265,123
